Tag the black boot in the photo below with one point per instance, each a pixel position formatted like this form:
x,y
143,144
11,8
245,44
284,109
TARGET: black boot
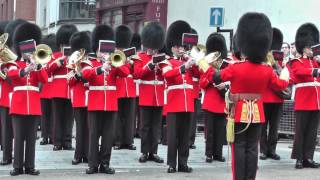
x,y
32,171
44,141
16,171
5,162
299,164
309,163
76,161
184,168
171,169
143,158
92,170
104,168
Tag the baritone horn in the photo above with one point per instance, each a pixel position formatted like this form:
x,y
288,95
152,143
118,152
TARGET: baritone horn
x,y
213,59
43,54
6,55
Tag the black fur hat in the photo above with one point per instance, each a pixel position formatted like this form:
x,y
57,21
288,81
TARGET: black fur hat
x,y
277,39
123,36
64,34
307,35
50,40
174,33
10,28
235,48
217,42
25,32
80,40
254,36
136,41
193,31
101,32
3,25
153,36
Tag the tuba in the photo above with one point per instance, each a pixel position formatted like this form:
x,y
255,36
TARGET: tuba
x,y
6,55
43,54
118,58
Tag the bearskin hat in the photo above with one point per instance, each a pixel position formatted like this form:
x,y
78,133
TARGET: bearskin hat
x,y
10,28
64,34
123,36
235,48
153,36
217,42
50,40
136,41
25,32
277,39
254,36
101,32
80,40
193,31
307,35
3,25
174,33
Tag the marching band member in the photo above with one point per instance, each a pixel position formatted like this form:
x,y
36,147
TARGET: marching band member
x,y
305,71
180,98
25,104
102,103
61,103
126,92
151,91
249,79
80,41
213,101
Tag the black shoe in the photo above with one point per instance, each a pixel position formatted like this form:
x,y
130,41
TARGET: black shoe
x,y
44,141
219,158
57,148
209,159
68,147
76,161
16,171
299,164
5,162
104,168
192,146
143,158
274,156
85,160
171,169
32,171
50,141
184,168
309,163
263,156
131,147
92,170
155,158
117,147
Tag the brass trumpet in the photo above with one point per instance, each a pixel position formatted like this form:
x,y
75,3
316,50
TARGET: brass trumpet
x,y
118,58
43,54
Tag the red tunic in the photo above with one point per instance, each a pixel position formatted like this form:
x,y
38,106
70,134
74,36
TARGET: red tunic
x,y
248,77
126,88
102,94
307,95
79,93
46,90
6,89
26,96
195,80
151,88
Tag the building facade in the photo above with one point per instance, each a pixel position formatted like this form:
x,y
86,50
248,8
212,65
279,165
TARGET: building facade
x,y
134,13
18,9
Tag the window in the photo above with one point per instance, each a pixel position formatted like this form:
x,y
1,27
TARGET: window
x,y
77,9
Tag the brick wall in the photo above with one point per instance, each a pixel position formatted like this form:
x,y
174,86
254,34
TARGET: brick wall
x,y
25,9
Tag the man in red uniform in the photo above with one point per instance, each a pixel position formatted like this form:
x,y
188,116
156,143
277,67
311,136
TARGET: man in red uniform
x,y
46,93
102,104
272,105
180,98
25,103
249,79
79,90
213,103
305,71
151,91
61,103
126,92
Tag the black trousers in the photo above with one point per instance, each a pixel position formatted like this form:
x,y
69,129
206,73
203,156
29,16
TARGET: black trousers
x,y
137,125
62,121
101,123
305,134
193,128
216,133
6,133
82,133
178,129
46,118
151,118
245,151
126,119
269,131
25,132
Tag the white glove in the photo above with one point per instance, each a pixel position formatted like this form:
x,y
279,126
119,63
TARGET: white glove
x,y
189,63
106,66
220,86
30,67
284,74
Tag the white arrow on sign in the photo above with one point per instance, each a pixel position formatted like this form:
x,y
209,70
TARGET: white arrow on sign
x,y
216,13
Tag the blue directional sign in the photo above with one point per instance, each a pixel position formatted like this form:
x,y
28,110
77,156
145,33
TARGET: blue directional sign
x,y
216,16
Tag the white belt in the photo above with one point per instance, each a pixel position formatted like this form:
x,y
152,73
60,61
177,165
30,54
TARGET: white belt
x,y
26,88
60,77
102,88
195,79
180,86
152,82
137,81
307,84
50,79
